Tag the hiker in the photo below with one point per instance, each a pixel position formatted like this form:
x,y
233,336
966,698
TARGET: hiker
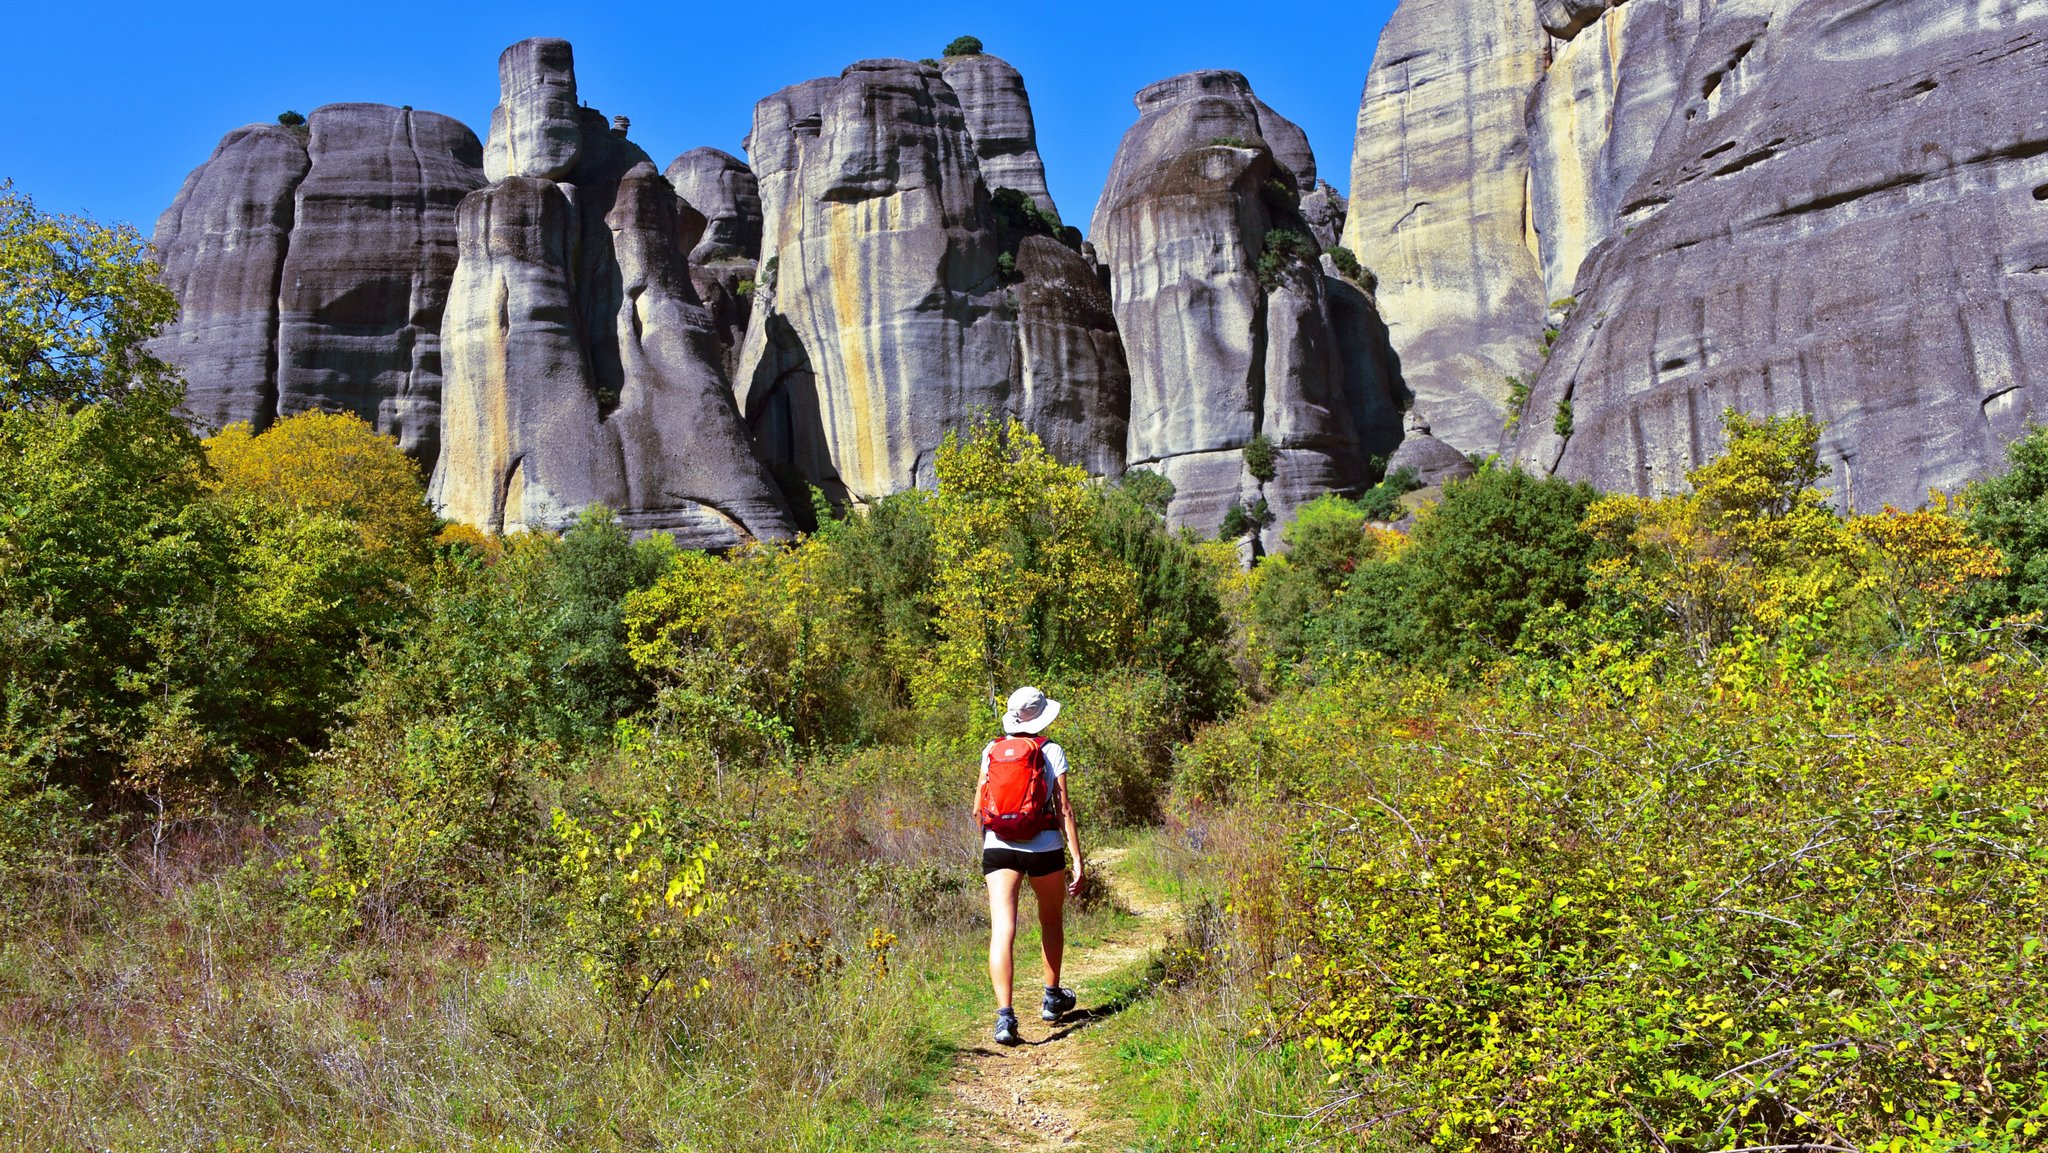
x,y
1027,825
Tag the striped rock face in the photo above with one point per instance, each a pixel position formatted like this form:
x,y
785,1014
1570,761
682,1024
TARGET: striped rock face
x,y
1815,207
312,267
582,368
1223,350
880,321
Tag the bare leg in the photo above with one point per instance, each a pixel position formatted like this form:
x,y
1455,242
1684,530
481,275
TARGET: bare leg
x,y
1003,885
1051,891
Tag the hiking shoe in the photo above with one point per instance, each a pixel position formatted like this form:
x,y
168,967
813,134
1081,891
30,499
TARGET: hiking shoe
x,y
1059,1002
1006,1028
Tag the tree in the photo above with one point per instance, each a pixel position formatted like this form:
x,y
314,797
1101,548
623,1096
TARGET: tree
x,y
964,46
1020,585
1753,546
2010,512
333,464
79,301
1500,547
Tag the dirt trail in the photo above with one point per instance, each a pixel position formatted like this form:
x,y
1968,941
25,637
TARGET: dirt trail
x,y
1039,1095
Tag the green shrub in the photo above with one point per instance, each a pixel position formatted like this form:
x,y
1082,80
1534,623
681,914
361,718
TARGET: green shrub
x,y
290,119
1382,502
1518,401
1184,633
1230,142
1326,542
2010,511
1242,520
1119,730
1282,249
1562,422
1347,265
964,46
1685,922
1261,458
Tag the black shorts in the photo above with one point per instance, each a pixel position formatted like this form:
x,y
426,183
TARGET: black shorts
x,y
1030,864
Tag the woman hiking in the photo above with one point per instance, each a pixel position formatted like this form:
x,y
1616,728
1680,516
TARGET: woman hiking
x,y
1027,824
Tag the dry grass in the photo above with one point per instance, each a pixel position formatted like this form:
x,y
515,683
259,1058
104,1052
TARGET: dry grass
x,y
166,1002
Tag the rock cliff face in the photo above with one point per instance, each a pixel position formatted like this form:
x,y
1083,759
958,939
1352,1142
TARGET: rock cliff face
x,y
1843,215
1225,314
312,267
725,261
880,321
1778,205
581,367
998,114
222,245
1440,205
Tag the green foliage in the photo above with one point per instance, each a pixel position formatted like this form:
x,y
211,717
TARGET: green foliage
x,y
1677,922
744,289
1382,502
79,301
964,46
1018,584
1348,266
1241,520
1518,401
1502,546
1326,542
1260,458
1562,422
2010,512
290,119
640,907
1006,265
1183,632
1282,249
1230,142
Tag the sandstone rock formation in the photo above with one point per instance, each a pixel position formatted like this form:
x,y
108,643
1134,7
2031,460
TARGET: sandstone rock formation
x,y
725,261
312,266
1776,205
1439,205
359,308
1075,385
1224,311
880,321
998,114
222,245
581,367
1840,213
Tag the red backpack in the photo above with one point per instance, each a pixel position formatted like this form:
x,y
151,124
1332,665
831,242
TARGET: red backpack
x,y
1016,799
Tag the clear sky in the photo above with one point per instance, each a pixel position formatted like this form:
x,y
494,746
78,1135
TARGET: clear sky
x,y
112,103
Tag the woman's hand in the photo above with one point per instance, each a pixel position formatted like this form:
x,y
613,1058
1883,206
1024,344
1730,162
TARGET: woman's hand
x,y
1080,875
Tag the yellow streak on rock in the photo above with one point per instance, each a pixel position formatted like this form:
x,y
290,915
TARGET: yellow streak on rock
x,y
868,437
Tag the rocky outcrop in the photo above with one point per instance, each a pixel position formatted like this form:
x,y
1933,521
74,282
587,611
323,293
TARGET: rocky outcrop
x,y
1323,210
880,321
1224,311
222,245
1075,385
367,273
311,266
581,367
1841,214
726,259
998,114
1439,205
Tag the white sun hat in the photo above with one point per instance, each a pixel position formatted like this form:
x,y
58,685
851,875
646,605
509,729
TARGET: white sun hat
x,y
1030,711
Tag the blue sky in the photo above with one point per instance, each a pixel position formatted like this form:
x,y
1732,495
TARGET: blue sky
x,y
111,104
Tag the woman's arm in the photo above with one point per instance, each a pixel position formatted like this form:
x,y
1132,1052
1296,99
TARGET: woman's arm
x,y
1073,833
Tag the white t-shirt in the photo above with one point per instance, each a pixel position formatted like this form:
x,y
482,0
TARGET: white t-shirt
x,y
1048,840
